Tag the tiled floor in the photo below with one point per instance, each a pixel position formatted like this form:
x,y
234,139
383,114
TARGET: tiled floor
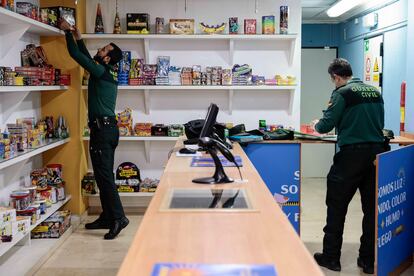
x,y
86,253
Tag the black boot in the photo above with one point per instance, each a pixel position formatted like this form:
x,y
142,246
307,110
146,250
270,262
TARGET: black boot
x,y
97,224
366,268
322,260
116,228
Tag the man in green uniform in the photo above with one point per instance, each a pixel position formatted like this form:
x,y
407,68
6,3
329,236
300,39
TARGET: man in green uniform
x,y
102,93
356,110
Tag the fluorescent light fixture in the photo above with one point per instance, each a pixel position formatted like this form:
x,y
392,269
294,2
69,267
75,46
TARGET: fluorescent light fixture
x,y
343,6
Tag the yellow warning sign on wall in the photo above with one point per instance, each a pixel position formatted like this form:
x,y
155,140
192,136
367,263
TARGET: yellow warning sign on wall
x,y
376,67
376,78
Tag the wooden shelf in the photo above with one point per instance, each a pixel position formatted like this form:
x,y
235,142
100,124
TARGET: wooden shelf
x,y
53,143
9,89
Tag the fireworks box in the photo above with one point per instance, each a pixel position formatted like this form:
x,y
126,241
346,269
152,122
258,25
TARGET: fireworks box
x,y
7,214
143,129
53,227
57,13
89,186
27,9
175,130
37,75
137,22
64,79
159,130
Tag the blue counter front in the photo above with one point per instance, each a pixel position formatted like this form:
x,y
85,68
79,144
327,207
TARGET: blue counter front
x,y
279,167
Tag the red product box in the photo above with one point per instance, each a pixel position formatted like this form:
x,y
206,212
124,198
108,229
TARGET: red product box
x,y
250,26
64,79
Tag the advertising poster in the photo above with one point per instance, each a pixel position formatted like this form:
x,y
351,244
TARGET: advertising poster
x,y
395,213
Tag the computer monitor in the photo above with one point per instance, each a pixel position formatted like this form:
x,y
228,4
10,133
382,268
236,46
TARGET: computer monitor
x,y
210,121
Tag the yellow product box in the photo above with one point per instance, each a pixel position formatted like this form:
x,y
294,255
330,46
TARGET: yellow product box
x,y
6,228
21,226
7,214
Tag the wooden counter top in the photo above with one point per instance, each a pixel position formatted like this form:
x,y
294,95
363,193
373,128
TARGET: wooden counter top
x,y
401,140
261,236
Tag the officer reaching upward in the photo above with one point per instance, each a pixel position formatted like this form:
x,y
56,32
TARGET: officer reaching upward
x,y
356,110
102,93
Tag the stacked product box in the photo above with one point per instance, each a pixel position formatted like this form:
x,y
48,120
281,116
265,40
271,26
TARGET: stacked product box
x,y
136,72
38,75
53,227
124,68
163,65
12,226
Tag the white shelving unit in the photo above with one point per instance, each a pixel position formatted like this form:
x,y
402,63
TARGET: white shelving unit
x,y
18,239
32,152
16,89
231,40
130,195
50,211
41,250
14,25
229,89
147,142
16,31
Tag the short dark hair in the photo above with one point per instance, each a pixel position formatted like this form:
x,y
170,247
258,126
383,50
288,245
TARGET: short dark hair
x,y
115,54
340,67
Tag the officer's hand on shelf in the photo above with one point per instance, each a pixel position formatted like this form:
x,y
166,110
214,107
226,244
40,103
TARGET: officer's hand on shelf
x,y
65,26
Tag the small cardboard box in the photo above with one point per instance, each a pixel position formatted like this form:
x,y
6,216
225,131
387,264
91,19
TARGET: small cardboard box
x,y
21,226
137,22
7,214
53,227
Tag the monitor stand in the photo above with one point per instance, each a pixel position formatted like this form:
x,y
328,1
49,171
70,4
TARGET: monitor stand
x,y
219,176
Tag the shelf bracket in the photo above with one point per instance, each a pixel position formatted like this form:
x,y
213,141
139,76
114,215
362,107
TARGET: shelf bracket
x,y
146,50
9,35
10,102
147,101
231,94
231,51
147,145
292,51
26,241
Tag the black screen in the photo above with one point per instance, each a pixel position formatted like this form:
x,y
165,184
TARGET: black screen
x,y
210,121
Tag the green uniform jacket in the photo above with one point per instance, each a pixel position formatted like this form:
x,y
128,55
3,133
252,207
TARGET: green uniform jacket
x,y
356,110
103,80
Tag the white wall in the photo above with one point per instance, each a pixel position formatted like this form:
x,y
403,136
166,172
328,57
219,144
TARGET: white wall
x,y
316,91
269,59
18,175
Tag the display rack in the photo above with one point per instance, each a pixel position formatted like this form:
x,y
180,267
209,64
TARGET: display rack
x,y
17,239
230,89
147,142
51,144
16,89
230,39
15,25
40,252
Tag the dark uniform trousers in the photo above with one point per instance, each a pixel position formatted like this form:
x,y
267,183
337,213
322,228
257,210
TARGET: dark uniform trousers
x,y
353,169
103,142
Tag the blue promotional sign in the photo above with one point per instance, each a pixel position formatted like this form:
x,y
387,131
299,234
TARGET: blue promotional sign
x,y
395,214
183,269
279,167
